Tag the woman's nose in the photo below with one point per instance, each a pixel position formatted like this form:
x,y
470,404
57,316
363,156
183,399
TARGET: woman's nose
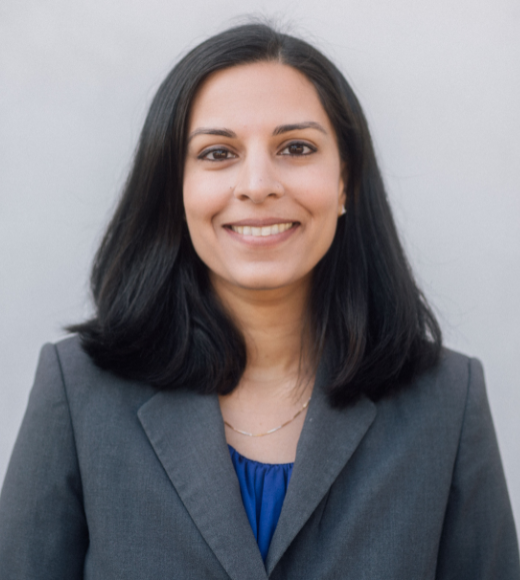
x,y
257,179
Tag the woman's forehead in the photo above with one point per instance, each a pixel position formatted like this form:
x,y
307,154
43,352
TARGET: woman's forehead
x,y
256,94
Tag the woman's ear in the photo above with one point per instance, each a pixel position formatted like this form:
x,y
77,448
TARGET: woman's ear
x,y
342,197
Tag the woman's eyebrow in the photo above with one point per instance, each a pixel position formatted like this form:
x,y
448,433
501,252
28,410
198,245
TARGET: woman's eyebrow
x,y
298,126
209,131
278,130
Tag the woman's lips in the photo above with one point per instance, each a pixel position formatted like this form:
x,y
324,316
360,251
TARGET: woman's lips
x,y
262,234
263,231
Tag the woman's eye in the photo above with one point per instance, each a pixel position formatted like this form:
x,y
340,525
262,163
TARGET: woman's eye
x,y
298,149
217,155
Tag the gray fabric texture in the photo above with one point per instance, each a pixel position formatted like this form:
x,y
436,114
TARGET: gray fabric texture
x,y
110,479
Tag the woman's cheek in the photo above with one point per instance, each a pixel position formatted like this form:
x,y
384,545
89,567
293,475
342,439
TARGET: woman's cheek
x,y
204,198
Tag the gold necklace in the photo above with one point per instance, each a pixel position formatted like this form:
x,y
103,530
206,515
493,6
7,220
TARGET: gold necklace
x,y
270,430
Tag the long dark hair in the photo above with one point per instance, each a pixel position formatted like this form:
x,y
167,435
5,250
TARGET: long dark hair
x,y
157,317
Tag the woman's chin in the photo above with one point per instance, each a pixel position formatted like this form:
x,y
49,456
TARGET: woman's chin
x,y
261,281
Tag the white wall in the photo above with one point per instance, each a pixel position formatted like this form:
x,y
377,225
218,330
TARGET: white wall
x,y
440,83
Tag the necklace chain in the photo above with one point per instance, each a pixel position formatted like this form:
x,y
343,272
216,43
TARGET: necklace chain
x,y
274,429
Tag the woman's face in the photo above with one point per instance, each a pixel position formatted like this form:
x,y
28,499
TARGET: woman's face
x,y
263,180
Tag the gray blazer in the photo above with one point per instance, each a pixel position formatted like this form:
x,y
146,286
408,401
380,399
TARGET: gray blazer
x,y
110,479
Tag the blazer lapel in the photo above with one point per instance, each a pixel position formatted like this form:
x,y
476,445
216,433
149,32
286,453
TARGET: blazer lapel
x,y
329,438
187,434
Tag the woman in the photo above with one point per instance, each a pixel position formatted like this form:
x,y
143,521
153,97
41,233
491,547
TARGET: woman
x,y
259,342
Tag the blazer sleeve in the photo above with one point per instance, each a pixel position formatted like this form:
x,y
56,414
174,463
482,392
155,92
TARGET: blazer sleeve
x,y
43,531
479,540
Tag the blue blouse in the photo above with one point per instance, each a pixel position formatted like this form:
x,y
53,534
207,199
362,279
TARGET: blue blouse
x,y
263,487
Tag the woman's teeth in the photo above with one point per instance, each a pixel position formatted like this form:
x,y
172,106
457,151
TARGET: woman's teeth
x,y
263,231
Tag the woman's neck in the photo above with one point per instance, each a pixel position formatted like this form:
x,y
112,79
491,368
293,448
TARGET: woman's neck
x,y
273,325
278,378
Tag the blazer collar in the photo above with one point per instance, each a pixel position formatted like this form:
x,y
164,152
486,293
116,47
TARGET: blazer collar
x,y
328,440
187,433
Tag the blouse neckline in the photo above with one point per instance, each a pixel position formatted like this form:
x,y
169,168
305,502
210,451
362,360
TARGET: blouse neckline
x,y
258,463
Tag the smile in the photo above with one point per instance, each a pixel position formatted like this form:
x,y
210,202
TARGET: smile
x,y
263,231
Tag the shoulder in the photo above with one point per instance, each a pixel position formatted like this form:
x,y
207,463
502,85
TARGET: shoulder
x,y
436,404
456,369
66,356
451,381
65,366
453,368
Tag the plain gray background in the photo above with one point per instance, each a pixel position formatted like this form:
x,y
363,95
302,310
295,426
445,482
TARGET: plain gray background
x,y
439,82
